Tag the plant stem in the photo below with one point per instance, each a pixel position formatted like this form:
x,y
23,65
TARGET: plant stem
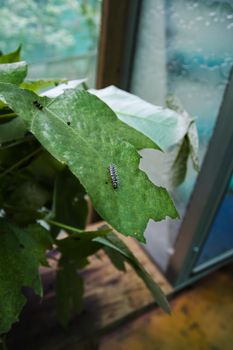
x,y
8,115
66,227
74,229
15,143
21,161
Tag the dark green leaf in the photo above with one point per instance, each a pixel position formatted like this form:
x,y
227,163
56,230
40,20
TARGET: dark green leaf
x,y
116,258
78,246
69,293
70,206
21,252
36,239
112,241
174,103
179,166
13,130
23,202
75,251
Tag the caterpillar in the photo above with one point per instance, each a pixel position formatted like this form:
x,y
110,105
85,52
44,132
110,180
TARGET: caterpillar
x,y
38,105
113,175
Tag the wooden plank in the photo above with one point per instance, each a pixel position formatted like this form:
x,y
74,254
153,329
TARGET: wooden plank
x,y
110,297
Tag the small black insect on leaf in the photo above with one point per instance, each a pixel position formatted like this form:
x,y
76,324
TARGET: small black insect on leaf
x,y
38,105
68,123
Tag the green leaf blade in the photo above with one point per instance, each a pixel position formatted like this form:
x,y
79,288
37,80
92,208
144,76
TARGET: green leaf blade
x,y
112,241
21,252
69,293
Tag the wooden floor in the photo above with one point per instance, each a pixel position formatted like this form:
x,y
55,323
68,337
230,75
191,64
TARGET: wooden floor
x,y
202,319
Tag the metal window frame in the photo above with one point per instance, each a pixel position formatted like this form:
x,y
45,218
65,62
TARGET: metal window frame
x,y
209,190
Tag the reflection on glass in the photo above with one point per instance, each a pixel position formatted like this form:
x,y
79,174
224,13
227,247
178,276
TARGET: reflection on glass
x,y
184,48
199,59
59,37
220,236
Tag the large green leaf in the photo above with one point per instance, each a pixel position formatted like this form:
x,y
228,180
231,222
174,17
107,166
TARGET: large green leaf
x,y
13,73
93,119
11,57
81,131
112,241
21,252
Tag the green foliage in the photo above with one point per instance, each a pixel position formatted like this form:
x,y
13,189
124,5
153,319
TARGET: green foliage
x,y
13,130
112,241
87,136
11,57
21,253
75,250
69,291
69,190
54,152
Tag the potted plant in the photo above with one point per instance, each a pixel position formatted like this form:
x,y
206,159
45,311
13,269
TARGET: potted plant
x,y
60,150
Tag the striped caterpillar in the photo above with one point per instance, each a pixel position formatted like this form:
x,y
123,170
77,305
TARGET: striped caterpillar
x,y
113,175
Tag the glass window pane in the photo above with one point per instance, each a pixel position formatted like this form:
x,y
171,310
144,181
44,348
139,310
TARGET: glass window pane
x,y
220,236
184,48
59,37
